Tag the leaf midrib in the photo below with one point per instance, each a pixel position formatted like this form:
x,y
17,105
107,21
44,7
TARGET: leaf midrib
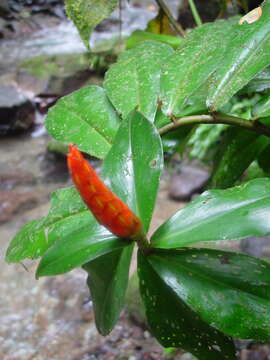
x,y
107,139
250,56
207,220
209,279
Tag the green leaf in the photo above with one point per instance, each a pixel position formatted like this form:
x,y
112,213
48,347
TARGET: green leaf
x,y
203,138
173,322
138,36
247,54
262,108
78,248
237,151
191,65
86,14
131,169
134,81
263,160
68,213
86,118
107,281
230,291
134,164
260,83
229,214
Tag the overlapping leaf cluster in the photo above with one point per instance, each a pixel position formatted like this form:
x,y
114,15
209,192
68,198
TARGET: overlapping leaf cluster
x,y
192,296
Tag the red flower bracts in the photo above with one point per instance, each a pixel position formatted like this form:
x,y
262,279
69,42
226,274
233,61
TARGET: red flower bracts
x,y
107,208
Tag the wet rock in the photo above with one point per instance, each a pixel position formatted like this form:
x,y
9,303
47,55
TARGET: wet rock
x,y
18,118
16,88
11,202
259,353
4,7
256,246
11,178
17,112
61,74
188,180
10,95
54,169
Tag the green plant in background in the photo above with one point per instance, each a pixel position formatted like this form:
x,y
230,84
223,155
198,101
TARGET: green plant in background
x,y
195,298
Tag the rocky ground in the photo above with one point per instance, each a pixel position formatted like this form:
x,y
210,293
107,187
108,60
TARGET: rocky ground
x,y
52,318
41,59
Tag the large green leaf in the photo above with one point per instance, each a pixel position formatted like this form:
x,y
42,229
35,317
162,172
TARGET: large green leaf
x,y
131,169
134,164
86,14
228,214
134,81
237,151
107,281
86,118
68,213
246,55
77,248
192,64
230,291
173,322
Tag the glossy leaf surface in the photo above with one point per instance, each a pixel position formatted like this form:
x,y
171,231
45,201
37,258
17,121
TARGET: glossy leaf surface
x,y
230,291
134,164
173,322
191,65
85,118
78,248
86,14
131,170
134,81
260,83
247,54
238,149
228,214
68,213
107,281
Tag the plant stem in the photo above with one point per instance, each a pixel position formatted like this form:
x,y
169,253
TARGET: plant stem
x,y
217,118
142,241
177,27
195,13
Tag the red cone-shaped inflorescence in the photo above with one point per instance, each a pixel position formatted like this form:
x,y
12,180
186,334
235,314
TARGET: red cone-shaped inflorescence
x,y
107,208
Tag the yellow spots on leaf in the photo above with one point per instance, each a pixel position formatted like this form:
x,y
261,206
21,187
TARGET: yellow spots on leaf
x,y
252,16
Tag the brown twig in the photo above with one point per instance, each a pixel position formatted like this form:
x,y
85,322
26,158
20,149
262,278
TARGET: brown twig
x,y
177,27
217,118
